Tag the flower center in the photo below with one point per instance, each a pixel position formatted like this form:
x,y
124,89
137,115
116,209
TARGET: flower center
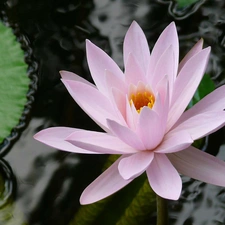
x,y
141,99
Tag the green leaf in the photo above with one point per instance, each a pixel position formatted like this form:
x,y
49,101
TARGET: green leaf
x,y
205,87
185,3
141,206
87,214
132,205
14,83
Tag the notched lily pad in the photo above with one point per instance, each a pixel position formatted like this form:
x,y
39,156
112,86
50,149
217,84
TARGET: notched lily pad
x,y
14,87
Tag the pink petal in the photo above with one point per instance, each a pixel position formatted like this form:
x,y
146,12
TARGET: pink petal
x,y
186,85
106,184
150,128
163,178
162,100
133,72
167,38
202,124
66,75
95,104
162,88
165,66
134,165
175,141
113,81
99,142
55,137
215,101
135,42
126,135
98,62
131,115
196,49
158,105
119,102
116,94
199,165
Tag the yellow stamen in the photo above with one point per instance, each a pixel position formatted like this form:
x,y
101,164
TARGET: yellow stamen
x,y
141,99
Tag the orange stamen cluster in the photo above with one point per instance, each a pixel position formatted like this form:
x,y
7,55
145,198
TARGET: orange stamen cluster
x,y
141,99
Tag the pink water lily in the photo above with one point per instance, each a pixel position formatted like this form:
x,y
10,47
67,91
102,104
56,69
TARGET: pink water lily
x,y
142,111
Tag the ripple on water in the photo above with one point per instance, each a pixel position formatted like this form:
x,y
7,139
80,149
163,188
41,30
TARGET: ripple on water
x,y
200,203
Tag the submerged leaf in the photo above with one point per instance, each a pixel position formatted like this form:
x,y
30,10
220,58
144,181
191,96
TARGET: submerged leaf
x,y
87,214
14,83
205,87
132,205
141,207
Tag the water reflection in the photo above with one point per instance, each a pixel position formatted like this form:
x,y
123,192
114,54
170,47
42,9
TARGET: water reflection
x,y
8,189
49,182
200,203
7,184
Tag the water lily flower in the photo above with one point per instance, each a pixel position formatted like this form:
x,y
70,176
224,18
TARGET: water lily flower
x,y
142,111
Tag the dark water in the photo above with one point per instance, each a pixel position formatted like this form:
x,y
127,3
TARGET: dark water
x,y
43,185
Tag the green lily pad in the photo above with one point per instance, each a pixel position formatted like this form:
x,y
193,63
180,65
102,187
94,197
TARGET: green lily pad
x,y
14,83
185,3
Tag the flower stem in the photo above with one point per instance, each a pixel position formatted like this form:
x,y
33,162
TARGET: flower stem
x,y
162,211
